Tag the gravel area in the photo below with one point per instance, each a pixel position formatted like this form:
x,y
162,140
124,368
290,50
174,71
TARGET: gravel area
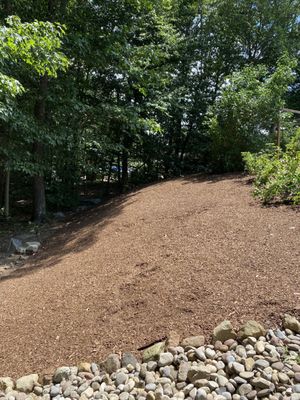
x,y
250,364
179,255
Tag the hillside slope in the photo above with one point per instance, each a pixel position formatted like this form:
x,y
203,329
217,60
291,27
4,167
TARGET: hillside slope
x,y
180,255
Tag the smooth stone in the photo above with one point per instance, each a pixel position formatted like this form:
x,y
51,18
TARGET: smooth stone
x,y
112,363
278,366
121,378
244,389
200,354
210,353
222,380
201,394
165,359
251,328
247,375
194,341
223,332
261,364
291,323
153,352
283,378
54,391
150,387
264,393
183,370
128,358
62,373
251,395
27,383
249,363
259,347
84,367
237,367
296,388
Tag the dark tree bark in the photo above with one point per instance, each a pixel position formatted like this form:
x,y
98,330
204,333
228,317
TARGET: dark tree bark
x,y
124,180
39,197
8,7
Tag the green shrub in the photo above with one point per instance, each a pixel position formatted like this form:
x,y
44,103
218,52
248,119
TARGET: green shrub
x,y
276,172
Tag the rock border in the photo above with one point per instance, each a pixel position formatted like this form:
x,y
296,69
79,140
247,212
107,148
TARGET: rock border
x,y
250,364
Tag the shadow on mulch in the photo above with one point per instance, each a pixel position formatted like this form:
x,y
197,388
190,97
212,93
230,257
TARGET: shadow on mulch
x,y
84,225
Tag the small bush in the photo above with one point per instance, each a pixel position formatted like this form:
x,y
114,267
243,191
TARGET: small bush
x,y
277,172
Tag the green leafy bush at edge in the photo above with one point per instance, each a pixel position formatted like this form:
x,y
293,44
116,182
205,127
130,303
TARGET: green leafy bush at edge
x,y
276,172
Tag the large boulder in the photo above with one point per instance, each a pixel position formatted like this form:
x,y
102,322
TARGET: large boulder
x,y
112,363
62,373
251,328
128,359
153,352
193,341
290,322
223,332
6,384
27,383
84,367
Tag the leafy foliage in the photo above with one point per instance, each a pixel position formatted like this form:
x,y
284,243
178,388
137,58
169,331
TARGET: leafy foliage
x,y
143,79
276,172
244,116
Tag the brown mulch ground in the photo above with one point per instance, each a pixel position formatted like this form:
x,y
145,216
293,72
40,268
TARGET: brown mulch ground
x,y
180,255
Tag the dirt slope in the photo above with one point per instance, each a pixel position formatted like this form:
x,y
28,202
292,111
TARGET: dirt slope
x,y
183,255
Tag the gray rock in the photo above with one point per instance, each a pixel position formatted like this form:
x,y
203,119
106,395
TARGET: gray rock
x,y
201,394
296,388
194,341
210,353
121,378
262,364
54,391
27,383
183,370
290,322
165,359
237,367
251,328
61,373
261,383
112,363
223,332
6,384
244,389
129,358
152,353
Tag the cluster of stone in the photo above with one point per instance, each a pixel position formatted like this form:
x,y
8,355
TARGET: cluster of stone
x,y
249,364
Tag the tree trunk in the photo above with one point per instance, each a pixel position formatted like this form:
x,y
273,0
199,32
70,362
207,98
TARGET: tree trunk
x,y
2,189
124,180
39,197
7,7
6,200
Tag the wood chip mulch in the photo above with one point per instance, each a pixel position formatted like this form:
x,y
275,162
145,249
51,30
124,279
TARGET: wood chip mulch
x,y
180,255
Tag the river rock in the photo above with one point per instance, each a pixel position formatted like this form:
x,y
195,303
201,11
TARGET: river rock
x,y
153,352
27,383
251,328
290,322
194,341
223,332
62,373
112,363
6,384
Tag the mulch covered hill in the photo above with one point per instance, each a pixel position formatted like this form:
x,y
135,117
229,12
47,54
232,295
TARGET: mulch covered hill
x,y
180,255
